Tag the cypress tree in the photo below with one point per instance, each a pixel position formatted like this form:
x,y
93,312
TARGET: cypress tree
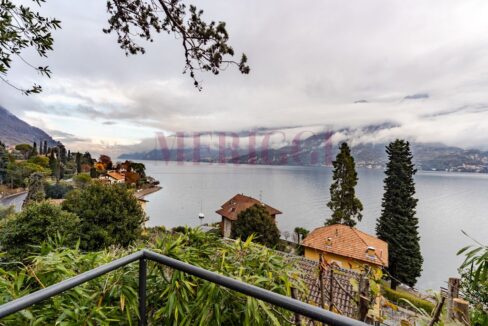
x,y
398,225
346,207
3,163
62,154
78,162
34,150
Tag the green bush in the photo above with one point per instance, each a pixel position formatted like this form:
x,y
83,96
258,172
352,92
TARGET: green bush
x,y
109,215
39,160
82,180
474,281
256,221
395,296
57,190
174,298
6,211
19,172
38,221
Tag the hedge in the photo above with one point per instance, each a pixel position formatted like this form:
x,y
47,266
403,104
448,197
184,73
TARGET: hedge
x,y
395,296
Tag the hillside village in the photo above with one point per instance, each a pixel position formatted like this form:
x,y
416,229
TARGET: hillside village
x,y
63,171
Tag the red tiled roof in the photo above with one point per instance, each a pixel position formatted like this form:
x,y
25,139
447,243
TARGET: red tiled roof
x,y
116,176
239,203
347,242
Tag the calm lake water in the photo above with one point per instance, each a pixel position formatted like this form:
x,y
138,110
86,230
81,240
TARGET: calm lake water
x,y
448,203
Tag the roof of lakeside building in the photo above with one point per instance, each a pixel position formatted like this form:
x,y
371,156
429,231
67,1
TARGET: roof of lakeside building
x,y
348,242
231,208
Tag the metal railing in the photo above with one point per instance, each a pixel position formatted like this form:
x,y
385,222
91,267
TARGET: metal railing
x,y
143,256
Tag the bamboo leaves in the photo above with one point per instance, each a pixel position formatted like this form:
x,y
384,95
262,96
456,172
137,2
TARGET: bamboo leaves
x,y
174,298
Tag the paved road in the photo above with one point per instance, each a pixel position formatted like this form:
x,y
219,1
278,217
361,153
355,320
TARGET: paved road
x,y
15,200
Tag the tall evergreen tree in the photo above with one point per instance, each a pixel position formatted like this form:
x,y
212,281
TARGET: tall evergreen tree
x,y
62,154
398,225
33,151
78,162
3,163
346,207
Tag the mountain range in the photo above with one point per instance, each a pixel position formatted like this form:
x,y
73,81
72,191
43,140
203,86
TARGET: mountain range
x,y
14,131
316,150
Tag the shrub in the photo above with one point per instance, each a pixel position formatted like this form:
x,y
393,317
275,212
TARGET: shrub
x,y
34,225
82,180
474,281
256,221
109,215
6,211
17,173
175,298
40,160
36,189
396,296
57,190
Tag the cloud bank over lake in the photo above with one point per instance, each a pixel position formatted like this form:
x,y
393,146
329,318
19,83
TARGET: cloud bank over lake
x,y
421,66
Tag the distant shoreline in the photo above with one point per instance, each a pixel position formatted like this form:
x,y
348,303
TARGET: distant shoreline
x,y
216,163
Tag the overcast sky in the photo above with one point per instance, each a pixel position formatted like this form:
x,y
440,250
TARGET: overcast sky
x,y
421,65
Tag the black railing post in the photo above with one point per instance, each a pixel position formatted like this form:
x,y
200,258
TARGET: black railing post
x,y
142,291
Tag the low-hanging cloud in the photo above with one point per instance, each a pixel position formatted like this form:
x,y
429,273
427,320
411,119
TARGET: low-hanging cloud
x,y
422,66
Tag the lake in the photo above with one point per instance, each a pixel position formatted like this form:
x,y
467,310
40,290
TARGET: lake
x,y
448,203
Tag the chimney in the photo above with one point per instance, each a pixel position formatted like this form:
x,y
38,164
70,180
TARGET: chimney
x,y
328,242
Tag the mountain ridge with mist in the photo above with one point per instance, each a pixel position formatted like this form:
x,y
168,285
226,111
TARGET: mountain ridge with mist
x,y
315,151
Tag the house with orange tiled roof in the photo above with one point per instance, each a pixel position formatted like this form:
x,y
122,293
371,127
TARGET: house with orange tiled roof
x,y
230,210
115,177
346,246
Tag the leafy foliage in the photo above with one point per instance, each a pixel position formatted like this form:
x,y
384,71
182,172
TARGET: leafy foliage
x,y
4,159
40,160
57,190
398,225
34,225
256,221
36,189
174,298
109,215
25,149
301,233
401,298
6,211
82,180
22,28
474,277
205,44
346,207
19,172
